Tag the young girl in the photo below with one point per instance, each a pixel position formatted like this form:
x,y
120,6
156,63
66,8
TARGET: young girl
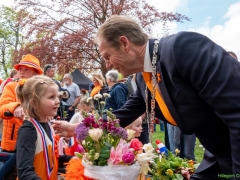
x,y
84,105
136,126
36,145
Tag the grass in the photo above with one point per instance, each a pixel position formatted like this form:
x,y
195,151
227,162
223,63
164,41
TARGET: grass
x,y
199,151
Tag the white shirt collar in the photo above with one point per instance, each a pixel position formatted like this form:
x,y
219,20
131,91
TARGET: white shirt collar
x,y
147,67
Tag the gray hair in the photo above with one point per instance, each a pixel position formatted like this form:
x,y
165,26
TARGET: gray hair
x,y
112,75
117,26
68,76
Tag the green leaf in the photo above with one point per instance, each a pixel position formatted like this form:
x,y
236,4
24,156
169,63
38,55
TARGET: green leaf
x,y
78,155
179,176
102,162
105,151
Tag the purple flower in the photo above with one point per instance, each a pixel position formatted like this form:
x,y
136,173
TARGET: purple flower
x,y
88,121
128,158
81,131
119,132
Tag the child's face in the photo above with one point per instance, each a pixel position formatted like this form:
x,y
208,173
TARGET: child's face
x,y
137,127
49,102
84,107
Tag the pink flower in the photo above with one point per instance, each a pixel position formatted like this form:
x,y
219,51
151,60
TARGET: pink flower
x,y
136,144
116,154
115,157
80,149
185,172
128,158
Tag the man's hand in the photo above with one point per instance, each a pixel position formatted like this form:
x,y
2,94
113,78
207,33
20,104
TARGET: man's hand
x,y
18,112
70,108
64,128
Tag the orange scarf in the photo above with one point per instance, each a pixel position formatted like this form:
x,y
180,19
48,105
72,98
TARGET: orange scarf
x,y
95,90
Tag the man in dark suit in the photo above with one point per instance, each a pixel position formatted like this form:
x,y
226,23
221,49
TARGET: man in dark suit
x,y
199,83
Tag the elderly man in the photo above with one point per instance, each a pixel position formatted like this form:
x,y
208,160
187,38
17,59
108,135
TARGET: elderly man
x,y
118,91
193,80
73,100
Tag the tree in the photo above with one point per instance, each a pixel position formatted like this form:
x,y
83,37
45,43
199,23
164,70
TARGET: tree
x,y
69,26
11,23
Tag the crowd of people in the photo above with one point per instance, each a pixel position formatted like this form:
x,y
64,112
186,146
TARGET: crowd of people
x,y
195,93
31,97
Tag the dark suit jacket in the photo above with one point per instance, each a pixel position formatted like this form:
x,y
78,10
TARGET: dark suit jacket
x,y
201,87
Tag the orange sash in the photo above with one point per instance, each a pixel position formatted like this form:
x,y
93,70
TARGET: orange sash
x,y
148,79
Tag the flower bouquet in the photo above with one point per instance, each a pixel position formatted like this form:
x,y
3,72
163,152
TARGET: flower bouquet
x,y
106,150
168,166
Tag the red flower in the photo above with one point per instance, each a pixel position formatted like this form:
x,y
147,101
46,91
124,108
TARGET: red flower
x,y
136,144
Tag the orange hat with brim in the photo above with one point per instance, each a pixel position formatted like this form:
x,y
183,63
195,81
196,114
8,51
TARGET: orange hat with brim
x,y
31,62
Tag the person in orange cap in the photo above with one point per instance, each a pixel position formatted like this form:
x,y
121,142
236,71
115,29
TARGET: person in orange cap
x,y
27,68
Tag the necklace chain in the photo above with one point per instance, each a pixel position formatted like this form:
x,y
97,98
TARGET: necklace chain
x,y
151,117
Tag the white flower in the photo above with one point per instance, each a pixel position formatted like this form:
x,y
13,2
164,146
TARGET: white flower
x,y
106,95
89,99
144,158
98,96
86,157
144,169
102,102
131,134
96,156
83,143
95,134
148,148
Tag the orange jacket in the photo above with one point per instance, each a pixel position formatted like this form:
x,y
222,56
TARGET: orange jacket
x,y
8,102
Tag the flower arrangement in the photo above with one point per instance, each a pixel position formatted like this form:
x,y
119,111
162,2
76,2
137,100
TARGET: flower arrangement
x,y
108,151
169,166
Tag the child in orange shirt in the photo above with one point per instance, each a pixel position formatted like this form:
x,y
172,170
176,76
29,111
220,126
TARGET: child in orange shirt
x,y
37,155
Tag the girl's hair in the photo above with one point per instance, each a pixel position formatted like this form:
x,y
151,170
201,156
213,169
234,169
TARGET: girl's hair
x,y
85,101
30,93
130,125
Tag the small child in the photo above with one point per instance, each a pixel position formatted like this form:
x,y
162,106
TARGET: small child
x,y
136,126
36,150
84,105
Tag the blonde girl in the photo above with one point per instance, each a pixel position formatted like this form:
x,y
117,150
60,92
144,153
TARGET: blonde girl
x,y
136,126
36,145
84,105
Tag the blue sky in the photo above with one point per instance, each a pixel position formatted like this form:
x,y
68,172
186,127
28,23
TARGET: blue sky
x,y
217,19
201,10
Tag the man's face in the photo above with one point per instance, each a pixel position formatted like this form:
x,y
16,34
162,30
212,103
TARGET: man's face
x,y
26,72
116,59
50,73
67,81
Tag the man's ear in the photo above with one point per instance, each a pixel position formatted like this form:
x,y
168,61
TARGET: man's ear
x,y
124,42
